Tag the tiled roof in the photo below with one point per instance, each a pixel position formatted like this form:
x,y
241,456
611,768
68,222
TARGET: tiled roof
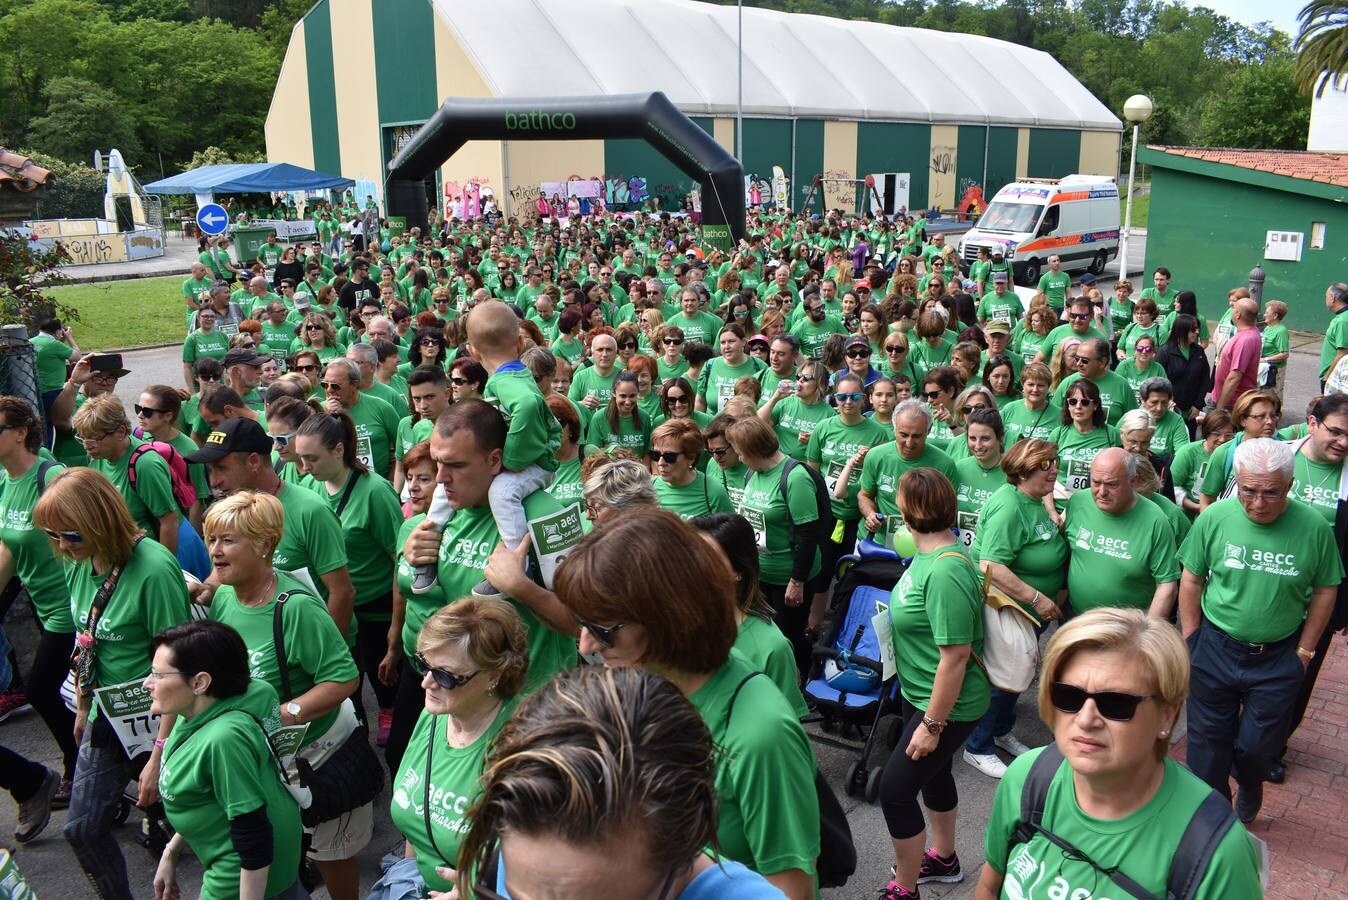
x,y
1325,168
21,173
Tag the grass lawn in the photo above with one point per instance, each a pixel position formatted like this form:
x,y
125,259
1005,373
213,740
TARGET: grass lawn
x,y
129,313
1141,205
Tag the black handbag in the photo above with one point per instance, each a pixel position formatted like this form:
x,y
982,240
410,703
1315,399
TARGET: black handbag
x,y
348,779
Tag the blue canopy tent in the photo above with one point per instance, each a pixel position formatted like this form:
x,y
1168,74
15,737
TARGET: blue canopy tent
x,y
237,178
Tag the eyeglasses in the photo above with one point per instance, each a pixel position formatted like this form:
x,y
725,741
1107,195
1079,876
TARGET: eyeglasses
x,y
331,385
895,348
605,274
676,398
155,676
805,378
668,456
601,633
628,345
1141,349
1078,358
718,452
144,411
849,396
94,439
443,677
673,342
458,382
1113,705
70,537
970,407
298,369
313,327
1078,315
429,342
1080,401
858,353
1263,496
282,440
932,395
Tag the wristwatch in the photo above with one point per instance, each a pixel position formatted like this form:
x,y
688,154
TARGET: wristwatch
x,y
294,709
932,725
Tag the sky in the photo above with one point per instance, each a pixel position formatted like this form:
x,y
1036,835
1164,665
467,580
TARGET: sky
x,y
1281,13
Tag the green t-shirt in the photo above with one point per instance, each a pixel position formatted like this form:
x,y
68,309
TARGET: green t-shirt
x,y
315,650
926,357
451,778
311,543
412,433
534,435
570,350
51,357
370,522
152,497
634,433
1260,577
1141,844
974,487
767,650
1276,340
566,487
1076,452
1135,332
699,497
390,395
150,596
1117,560
1062,333
1317,485
667,371
1016,531
205,345
1189,467
769,813
814,335
939,603
717,382
217,766
884,466
376,429
419,607
34,562
1171,434
1028,345
587,382
702,328
1220,468
767,511
1020,421
795,421
733,479
1120,314
1005,308
1134,377
1116,397
1054,285
832,443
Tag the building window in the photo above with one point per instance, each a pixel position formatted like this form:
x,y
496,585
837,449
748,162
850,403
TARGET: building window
x,y
1317,235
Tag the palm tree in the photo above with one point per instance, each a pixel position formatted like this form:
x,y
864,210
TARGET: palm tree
x,y
1322,45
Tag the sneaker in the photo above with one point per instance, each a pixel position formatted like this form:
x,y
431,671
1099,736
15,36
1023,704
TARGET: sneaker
x,y
424,578
385,725
12,703
486,590
987,763
35,812
1249,797
1011,744
896,891
62,798
941,871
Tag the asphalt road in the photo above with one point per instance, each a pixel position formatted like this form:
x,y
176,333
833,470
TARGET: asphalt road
x,y
51,870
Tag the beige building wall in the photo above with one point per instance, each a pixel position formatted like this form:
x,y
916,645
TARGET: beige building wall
x,y
1100,153
1022,153
456,76
724,132
840,161
289,105
357,103
941,187
530,163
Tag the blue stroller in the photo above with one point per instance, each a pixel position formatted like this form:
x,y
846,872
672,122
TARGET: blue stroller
x,y
847,686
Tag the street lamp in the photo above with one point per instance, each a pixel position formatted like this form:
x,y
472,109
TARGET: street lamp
x,y
1136,109
739,89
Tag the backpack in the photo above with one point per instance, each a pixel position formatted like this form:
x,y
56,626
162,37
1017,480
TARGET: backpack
x,y
1206,830
183,489
837,854
43,467
821,499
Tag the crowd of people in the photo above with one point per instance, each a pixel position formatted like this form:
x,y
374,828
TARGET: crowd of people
x,y
557,495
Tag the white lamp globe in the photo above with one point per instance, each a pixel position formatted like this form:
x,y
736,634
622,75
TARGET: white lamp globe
x,y
1137,108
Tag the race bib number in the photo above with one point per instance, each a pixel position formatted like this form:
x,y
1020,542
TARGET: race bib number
x,y
967,523
127,709
1078,475
231,329
760,527
724,391
884,637
364,451
554,534
834,472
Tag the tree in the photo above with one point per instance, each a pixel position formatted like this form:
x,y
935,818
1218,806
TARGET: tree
x,y
1260,107
1322,44
81,117
77,192
214,156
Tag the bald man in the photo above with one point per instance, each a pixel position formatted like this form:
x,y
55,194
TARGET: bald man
x,y
1238,366
1123,546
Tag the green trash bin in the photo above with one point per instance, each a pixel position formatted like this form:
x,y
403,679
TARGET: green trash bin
x,y
247,240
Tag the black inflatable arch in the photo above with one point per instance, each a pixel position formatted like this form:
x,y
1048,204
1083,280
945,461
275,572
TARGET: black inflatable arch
x,y
651,117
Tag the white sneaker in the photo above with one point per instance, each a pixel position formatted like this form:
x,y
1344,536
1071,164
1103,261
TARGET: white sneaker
x,y
987,763
1011,744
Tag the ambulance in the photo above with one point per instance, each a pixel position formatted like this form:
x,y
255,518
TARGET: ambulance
x,y
1075,217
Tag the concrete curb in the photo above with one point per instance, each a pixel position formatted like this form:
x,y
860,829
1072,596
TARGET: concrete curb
x,y
127,276
136,349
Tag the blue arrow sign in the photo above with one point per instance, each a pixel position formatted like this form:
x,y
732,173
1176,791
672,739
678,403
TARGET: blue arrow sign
x,y
212,219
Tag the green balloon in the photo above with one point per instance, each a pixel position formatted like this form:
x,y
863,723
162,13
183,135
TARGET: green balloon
x,y
904,545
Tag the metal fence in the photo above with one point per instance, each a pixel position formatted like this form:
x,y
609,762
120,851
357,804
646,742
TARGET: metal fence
x,y
18,366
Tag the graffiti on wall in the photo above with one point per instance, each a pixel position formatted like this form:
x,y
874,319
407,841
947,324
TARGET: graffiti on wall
x,y
85,251
839,194
942,160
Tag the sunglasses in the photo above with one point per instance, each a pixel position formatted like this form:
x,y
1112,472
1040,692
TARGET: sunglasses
x,y
970,407
628,345
849,396
673,342
443,677
676,398
718,452
1145,350
1083,359
1113,705
895,349
1078,315
805,378
932,395
858,353
1079,401
602,634
70,537
147,410
313,327
670,457
297,369
331,385
458,382
282,440
429,342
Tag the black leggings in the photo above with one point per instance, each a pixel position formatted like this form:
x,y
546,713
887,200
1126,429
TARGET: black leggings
x,y
407,707
20,775
371,622
903,777
793,620
51,662
830,552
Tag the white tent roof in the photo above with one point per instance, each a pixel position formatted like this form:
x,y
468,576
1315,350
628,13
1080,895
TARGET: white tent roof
x,y
794,65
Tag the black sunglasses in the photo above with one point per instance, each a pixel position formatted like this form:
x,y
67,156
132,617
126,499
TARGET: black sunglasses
x,y
669,456
602,634
673,342
858,353
443,677
628,345
1114,705
895,348
932,395
147,410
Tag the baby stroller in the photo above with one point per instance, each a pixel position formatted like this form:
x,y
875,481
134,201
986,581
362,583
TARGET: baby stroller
x,y
847,687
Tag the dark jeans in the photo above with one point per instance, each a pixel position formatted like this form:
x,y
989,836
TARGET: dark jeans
x,y
49,433
101,775
1241,701
20,775
997,721
51,662
371,623
407,707
904,778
